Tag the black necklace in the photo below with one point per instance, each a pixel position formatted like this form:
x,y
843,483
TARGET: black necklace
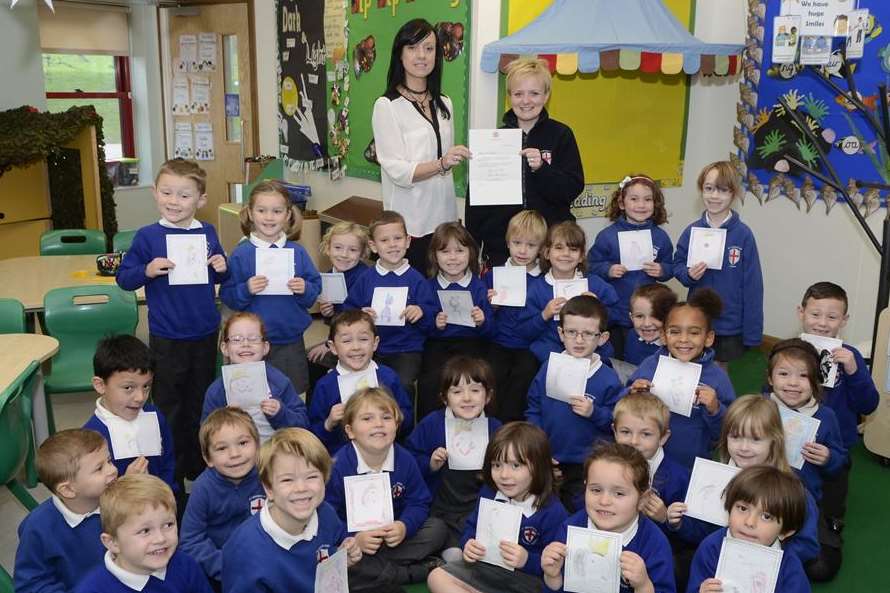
x,y
408,88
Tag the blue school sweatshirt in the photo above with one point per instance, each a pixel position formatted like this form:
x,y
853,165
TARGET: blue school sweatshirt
x,y
252,561
649,543
696,435
507,325
215,508
327,394
182,312
670,481
410,496
286,317
350,276
52,556
183,576
535,532
479,292
162,465
429,435
572,436
605,253
292,412
543,334
792,578
852,396
636,350
397,339
739,283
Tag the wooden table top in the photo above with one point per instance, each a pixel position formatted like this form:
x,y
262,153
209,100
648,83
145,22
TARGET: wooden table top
x,y
362,211
17,351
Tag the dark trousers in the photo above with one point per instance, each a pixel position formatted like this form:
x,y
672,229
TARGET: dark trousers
x,y
183,372
437,352
617,337
418,253
291,360
514,370
317,370
571,486
407,367
834,493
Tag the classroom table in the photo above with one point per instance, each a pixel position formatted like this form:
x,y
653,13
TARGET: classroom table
x,y
357,209
17,351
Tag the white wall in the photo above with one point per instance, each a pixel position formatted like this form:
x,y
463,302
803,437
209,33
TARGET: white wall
x,y
21,67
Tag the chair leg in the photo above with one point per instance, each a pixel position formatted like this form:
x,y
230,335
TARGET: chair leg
x,y
30,465
22,494
50,419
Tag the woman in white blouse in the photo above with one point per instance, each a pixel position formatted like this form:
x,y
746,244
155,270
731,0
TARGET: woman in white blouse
x,y
414,135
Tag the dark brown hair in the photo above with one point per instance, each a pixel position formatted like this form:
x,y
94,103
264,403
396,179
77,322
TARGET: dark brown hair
x,y
659,215
624,455
473,369
705,300
225,416
444,233
800,351
660,296
530,446
294,223
780,493
572,235
58,457
350,317
825,290
588,307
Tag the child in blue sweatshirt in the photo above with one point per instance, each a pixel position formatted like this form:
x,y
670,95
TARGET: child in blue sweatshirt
x,y
270,221
575,425
563,261
396,553
278,549
688,335
616,479
182,318
137,433
227,493
518,472
402,333
637,206
139,534
766,506
59,540
739,282
649,305
244,341
353,340
454,267
508,351
466,388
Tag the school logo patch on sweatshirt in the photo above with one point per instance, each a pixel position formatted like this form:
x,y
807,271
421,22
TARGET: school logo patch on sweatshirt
x,y
398,489
547,156
256,503
530,535
322,553
735,256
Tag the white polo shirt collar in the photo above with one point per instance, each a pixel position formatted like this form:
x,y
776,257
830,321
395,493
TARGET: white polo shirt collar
x,y
403,267
342,370
71,518
132,580
195,224
279,242
627,535
463,282
527,505
389,464
282,537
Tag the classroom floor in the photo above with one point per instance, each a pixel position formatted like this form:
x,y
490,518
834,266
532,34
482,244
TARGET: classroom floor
x,y
868,515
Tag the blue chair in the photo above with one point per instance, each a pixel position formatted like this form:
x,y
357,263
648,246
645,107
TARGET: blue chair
x,y
73,242
12,317
122,240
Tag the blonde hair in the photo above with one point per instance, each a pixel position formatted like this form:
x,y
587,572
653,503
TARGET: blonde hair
x,y
58,458
372,396
131,495
294,219
183,168
527,223
756,416
646,406
529,68
293,441
346,228
225,416
727,177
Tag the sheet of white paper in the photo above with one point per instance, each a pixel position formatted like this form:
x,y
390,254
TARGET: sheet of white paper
x,y
465,441
496,166
181,103
746,567
704,497
333,287
188,51
141,437
509,283
189,253
623,369
706,245
368,501
204,150
675,382
389,302
566,376
786,38
458,305
245,384
635,249
277,265
351,383
825,346
498,521
206,52
183,141
200,95
331,575
856,41
591,564
568,289
799,430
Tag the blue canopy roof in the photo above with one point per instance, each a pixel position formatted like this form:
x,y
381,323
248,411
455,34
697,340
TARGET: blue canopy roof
x,y
588,27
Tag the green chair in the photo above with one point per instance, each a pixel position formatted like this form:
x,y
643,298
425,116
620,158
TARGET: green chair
x,y
122,240
79,317
16,438
12,317
73,242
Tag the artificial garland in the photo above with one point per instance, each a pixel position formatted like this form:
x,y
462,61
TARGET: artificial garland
x,y
28,136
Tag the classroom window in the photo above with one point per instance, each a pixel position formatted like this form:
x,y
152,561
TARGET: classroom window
x,y
232,84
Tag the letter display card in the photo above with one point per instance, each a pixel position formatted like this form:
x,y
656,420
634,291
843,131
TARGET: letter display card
x,y
333,288
245,384
368,501
509,283
825,346
350,384
277,265
389,303
466,441
675,382
592,561
496,167
746,567
458,306
189,253
498,521
704,497
635,249
706,245
566,376
799,429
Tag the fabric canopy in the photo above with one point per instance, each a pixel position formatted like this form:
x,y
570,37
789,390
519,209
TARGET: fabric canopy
x,y
587,35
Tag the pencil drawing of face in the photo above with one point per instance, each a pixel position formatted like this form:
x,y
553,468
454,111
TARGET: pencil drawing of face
x,y
463,438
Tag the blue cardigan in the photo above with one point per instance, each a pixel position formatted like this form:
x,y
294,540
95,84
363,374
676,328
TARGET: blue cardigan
x,y
852,396
183,576
350,276
636,350
480,299
507,325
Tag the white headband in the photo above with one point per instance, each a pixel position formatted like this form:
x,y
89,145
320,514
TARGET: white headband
x,y
628,179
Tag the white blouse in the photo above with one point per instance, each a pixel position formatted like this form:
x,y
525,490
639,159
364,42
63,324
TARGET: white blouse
x,y
403,139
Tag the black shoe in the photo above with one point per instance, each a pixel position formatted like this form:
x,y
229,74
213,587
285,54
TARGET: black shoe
x,y
417,573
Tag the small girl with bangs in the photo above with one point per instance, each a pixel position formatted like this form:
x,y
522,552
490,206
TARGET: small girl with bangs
x,y
637,205
649,305
467,390
617,477
269,220
453,266
517,471
563,259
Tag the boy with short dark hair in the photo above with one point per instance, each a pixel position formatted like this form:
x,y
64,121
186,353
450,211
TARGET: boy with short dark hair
x,y
183,320
59,540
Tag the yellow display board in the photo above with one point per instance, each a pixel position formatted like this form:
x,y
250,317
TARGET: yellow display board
x,y
624,122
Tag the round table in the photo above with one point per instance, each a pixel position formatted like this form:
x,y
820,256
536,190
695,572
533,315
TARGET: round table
x,y
17,351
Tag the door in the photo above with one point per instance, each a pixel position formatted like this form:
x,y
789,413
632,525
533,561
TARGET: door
x,y
187,55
